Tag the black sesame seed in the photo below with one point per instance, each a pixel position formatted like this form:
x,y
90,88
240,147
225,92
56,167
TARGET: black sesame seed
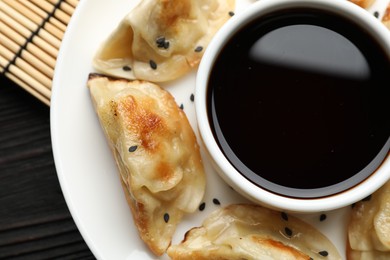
x,y
153,64
126,68
198,49
166,217
160,42
231,13
192,97
284,216
133,148
322,217
216,201
181,106
202,206
376,14
323,253
288,231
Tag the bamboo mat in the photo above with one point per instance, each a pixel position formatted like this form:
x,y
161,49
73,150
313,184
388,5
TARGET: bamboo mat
x,y
31,32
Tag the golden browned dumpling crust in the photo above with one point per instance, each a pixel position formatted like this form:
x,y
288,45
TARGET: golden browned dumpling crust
x,y
244,231
156,152
160,40
369,227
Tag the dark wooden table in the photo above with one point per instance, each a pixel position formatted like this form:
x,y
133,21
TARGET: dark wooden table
x,y
35,222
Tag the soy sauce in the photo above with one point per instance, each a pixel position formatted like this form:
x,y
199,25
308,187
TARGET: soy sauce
x,y
299,103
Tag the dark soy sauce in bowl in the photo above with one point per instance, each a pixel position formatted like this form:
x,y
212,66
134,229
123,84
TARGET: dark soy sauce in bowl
x,y
298,102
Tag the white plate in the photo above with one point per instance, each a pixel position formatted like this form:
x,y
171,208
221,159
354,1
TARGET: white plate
x,y
85,166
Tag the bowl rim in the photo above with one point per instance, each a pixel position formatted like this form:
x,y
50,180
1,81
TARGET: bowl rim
x,y
228,173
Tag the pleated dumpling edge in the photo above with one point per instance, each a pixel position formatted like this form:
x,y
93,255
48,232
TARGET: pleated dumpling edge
x,y
161,40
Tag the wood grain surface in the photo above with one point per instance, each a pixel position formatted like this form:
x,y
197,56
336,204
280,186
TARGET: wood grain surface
x,y
35,222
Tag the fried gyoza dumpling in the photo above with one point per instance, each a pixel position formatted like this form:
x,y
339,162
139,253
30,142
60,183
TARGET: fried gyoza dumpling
x,y
156,152
244,231
369,227
160,40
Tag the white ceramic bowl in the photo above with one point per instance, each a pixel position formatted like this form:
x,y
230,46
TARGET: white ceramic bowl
x,y
221,163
